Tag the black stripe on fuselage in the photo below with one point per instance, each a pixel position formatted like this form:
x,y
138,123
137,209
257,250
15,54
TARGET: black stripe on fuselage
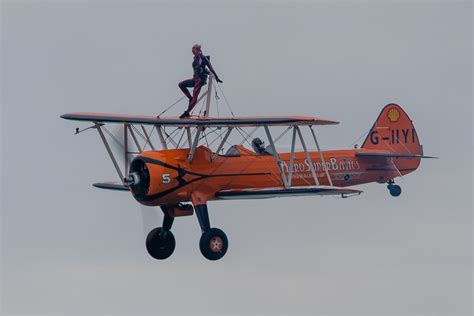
x,y
180,178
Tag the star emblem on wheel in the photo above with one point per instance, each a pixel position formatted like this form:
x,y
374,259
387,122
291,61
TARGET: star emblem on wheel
x,y
216,244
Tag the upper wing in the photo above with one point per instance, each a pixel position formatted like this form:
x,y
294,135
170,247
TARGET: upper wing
x,y
197,121
281,192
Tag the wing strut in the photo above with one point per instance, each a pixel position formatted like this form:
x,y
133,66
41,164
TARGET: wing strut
x,y
134,137
208,99
321,156
194,145
229,130
308,157
125,148
164,145
292,156
111,154
148,140
277,158
188,132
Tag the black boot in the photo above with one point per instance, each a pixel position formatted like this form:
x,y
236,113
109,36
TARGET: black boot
x,y
184,115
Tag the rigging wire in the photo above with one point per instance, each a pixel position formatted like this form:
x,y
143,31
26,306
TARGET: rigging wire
x,y
170,136
169,107
240,130
248,135
282,134
148,140
113,137
138,132
216,97
179,141
219,136
205,137
225,99
358,139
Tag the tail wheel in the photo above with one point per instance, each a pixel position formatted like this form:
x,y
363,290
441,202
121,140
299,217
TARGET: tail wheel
x,y
213,244
160,243
395,190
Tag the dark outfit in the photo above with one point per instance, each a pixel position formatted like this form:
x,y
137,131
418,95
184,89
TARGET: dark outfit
x,y
198,80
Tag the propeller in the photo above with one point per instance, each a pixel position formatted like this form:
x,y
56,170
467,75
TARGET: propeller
x,y
115,136
150,218
149,215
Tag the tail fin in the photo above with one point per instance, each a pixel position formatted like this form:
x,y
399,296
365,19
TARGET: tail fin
x,y
393,131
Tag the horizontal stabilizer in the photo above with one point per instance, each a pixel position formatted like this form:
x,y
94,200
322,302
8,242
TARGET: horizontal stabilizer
x,y
282,192
116,186
393,155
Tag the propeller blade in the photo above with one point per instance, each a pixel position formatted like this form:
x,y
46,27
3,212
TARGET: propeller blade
x,y
150,218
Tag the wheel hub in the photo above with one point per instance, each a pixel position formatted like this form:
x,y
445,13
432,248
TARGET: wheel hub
x,y
216,244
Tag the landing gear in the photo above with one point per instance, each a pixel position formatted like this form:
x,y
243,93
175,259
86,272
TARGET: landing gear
x,y
213,243
160,242
395,190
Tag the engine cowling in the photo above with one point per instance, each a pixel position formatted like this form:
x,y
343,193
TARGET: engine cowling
x,y
154,175
139,178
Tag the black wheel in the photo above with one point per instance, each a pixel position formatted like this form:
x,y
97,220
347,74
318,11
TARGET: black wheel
x,y
395,190
213,244
160,244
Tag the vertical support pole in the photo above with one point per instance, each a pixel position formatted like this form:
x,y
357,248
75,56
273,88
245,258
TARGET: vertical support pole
x,y
229,130
135,140
203,217
125,148
308,157
188,131
148,140
209,93
323,163
167,219
111,154
195,143
202,96
276,157
292,156
162,138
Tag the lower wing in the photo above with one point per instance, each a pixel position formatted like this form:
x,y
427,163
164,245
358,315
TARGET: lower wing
x,y
282,192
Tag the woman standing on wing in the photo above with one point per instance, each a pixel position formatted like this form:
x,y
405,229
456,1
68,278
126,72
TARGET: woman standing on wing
x,y
199,78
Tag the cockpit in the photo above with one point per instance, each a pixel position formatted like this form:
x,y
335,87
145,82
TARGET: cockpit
x,y
257,145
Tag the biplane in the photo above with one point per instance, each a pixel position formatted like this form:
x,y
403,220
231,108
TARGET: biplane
x,y
196,163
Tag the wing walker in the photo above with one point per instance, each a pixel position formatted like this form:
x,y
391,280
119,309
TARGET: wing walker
x,y
181,165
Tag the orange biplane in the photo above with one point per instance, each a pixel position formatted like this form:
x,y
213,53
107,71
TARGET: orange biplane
x,y
186,173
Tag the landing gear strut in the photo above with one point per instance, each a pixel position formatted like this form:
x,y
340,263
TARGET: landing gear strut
x,y
213,242
160,242
395,190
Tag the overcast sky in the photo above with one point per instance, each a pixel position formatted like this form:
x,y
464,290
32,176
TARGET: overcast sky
x,y
67,248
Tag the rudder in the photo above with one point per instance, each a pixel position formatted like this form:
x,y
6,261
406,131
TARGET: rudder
x,y
393,131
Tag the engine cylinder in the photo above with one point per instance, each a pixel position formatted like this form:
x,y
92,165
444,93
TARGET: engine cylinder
x,y
141,178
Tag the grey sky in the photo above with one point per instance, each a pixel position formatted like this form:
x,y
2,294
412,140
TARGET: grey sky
x,y
68,248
